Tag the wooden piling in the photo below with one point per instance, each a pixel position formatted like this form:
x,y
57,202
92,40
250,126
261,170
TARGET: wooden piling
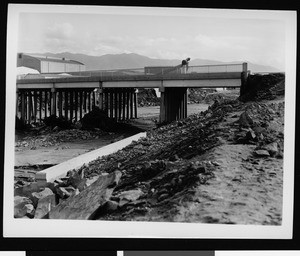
x,y
135,103
162,113
80,104
116,105
23,106
127,103
35,105
111,103
71,105
53,101
89,101
106,102
131,105
120,103
123,103
100,98
66,104
60,97
40,105
76,105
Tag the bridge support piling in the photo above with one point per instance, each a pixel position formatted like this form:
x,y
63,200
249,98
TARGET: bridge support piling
x,y
53,101
162,115
22,106
131,105
124,103
173,104
135,103
100,97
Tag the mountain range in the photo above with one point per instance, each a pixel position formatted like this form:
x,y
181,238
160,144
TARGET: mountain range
x,y
133,60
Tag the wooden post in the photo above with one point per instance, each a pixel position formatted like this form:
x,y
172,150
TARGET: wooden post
x,y
23,106
76,105
124,103
40,104
80,103
35,105
93,99
127,103
89,101
17,102
29,107
131,104
185,105
84,101
71,105
162,114
60,105
135,103
53,101
46,103
120,103
111,103
66,104
106,101
116,105
100,96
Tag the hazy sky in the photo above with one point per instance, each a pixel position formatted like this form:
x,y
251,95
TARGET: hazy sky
x,y
231,38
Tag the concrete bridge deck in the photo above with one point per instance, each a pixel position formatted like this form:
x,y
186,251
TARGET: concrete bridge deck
x,y
214,80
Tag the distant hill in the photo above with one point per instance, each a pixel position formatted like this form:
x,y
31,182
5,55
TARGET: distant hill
x,y
133,60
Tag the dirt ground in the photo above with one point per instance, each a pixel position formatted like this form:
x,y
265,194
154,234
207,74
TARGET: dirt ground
x,y
232,182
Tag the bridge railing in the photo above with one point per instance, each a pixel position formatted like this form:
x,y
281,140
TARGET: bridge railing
x,y
216,68
151,71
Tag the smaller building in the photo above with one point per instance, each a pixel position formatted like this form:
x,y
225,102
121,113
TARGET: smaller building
x,y
45,64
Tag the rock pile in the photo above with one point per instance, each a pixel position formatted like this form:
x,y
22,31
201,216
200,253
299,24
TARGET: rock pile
x,y
50,137
147,97
264,87
197,95
37,199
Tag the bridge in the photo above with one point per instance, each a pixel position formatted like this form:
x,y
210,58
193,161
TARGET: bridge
x,y
70,95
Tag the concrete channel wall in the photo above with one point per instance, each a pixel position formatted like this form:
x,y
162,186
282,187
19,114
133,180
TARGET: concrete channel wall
x,y
60,170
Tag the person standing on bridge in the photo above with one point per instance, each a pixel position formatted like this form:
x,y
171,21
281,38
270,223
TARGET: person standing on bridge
x,y
185,65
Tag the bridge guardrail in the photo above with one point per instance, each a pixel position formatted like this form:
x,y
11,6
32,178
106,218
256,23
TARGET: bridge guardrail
x,y
151,71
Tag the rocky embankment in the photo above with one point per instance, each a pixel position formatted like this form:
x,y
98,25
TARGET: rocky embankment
x,y
223,165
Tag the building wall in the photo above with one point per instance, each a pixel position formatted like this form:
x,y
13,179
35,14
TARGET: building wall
x,y
28,61
52,67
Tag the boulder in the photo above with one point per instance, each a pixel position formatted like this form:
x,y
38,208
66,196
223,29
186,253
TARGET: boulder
x,y
261,153
37,196
245,120
86,204
131,195
272,148
45,205
20,208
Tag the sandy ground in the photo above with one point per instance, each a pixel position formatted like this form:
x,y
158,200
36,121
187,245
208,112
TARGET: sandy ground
x,y
56,154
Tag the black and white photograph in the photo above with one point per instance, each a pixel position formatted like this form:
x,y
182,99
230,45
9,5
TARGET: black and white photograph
x,y
149,122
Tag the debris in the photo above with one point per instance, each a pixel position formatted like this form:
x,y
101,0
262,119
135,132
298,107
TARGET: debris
x,y
37,196
85,204
262,153
45,205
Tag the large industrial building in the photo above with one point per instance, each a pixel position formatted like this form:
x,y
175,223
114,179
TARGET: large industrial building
x,y
45,64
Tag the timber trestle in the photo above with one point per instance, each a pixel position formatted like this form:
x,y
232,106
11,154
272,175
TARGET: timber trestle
x,y
34,105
